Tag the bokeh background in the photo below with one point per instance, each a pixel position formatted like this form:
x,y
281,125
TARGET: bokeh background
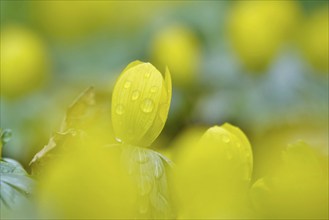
x,y
262,66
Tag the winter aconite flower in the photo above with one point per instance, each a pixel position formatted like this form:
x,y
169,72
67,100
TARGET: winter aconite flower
x,y
258,30
296,187
314,39
140,104
24,61
178,47
212,176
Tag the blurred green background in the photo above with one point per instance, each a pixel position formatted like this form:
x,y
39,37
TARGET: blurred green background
x,y
262,66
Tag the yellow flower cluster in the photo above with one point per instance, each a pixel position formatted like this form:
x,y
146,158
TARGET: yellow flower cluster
x,y
211,176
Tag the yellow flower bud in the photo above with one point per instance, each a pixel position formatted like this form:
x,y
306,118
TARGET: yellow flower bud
x,y
140,104
213,175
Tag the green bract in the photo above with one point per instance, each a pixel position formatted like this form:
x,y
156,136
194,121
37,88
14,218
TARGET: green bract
x,y
140,104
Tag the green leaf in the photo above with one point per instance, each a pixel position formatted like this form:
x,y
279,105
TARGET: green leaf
x,y
16,185
79,113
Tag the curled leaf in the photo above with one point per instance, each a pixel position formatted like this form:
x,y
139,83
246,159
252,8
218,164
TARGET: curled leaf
x,y
78,114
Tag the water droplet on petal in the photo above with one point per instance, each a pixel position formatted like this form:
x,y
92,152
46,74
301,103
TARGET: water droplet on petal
x,y
225,138
118,140
74,133
120,109
127,84
147,75
154,89
147,106
135,95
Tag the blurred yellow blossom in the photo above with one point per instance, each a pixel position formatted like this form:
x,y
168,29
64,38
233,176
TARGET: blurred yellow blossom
x,y
212,176
178,47
258,30
314,39
140,104
79,19
271,140
183,142
24,61
87,183
296,187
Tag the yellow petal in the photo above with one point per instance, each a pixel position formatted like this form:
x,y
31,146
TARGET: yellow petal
x,y
140,104
132,64
242,143
168,84
232,144
162,113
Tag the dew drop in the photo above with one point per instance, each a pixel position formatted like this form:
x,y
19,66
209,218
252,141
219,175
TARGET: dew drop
x,y
147,75
120,109
225,138
154,89
118,140
74,133
135,95
147,106
127,84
